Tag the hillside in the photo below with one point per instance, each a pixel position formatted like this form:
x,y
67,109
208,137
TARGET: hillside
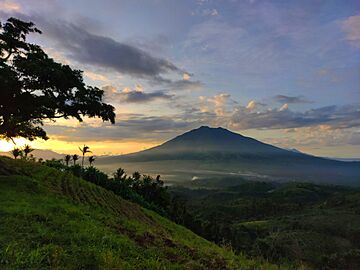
x,y
53,220
205,152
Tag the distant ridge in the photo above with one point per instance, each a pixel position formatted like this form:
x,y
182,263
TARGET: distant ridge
x,y
40,153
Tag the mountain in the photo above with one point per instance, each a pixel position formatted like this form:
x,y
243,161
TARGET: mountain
x,y
54,220
206,150
215,143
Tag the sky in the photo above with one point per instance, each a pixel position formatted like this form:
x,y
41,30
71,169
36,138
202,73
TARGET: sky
x,y
283,72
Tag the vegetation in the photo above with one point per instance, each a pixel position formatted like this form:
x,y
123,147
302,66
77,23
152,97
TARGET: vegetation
x,y
75,157
91,160
84,150
67,159
303,223
34,87
54,220
142,189
16,152
27,150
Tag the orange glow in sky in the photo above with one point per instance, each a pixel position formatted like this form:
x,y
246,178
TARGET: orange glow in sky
x,y
63,147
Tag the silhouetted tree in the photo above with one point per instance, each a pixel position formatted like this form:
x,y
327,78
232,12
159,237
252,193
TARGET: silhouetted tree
x,y
119,174
75,158
16,152
84,150
67,159
91,160
27,150
35,88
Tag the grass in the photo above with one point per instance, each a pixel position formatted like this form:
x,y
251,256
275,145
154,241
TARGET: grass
x,y
53,220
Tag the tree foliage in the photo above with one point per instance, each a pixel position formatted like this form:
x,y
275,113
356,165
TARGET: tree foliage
x,y
84,150
35,88
16,152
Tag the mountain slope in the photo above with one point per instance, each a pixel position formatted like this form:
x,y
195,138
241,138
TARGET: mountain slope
x,y
205,140
53,220
220,150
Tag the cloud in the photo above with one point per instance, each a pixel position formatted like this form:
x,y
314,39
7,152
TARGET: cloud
x,y
186,76
220,103
174,85
133,127
352,28
291,99
217,102
354,138
185,85
332,117
95,76
210,12
89,48
284,107
9,6
136,95
318,136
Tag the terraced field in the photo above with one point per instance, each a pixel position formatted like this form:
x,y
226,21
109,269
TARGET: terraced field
x,y
53,220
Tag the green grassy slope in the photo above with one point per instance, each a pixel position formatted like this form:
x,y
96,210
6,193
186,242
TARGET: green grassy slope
x,y
53,220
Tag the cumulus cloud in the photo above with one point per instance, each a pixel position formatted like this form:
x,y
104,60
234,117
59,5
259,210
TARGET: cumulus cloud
x,y
291,99
351,26
186,76
218,102
136,95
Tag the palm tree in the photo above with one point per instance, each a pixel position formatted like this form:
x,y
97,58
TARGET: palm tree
x,y
16,152
67,159
91,160
84,150
27,150
75,158
119,174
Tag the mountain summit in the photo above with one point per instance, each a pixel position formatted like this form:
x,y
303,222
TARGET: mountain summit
x,y
220,150
212,143
206,139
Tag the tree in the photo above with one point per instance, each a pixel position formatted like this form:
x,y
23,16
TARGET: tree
x,y
91,160
27,150
35,88
75,158
16,152
67,159
84,150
